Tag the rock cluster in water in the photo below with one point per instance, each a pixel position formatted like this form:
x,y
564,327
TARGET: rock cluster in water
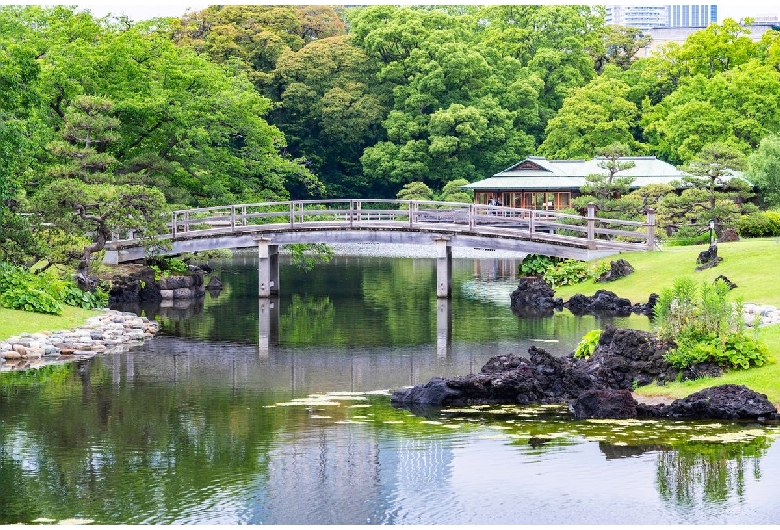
x,y
599,386
102,333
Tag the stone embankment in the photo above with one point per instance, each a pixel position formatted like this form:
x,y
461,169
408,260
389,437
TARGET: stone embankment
x,y
764,315
106,332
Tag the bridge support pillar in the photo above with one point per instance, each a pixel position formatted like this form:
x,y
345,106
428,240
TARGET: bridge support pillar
x,y
443,328
267,325
267,268
443,267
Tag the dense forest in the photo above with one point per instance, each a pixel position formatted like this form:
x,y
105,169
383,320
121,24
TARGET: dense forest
x,y
109,121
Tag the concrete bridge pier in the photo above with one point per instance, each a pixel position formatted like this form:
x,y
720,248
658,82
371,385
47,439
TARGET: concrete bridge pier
x,y
267,325
267,268
443,328
443,267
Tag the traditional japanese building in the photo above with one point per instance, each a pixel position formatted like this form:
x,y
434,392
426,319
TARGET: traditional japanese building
x,y
543,184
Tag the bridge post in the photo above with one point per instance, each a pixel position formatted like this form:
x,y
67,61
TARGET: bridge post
x,y
650,229
591,225
267,267
443,328
443,267
267,326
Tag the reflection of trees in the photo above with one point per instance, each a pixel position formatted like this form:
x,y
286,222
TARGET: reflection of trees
x,y
87,446
711,471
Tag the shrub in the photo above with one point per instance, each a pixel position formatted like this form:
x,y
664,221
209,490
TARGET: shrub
x,y
536,264
28,298
588,344
759,224
567,272
43,292
705,327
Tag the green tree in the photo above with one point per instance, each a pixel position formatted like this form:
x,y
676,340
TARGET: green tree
x,y
592,118
83,194
607,189
764,170
711,191
737,106
415,191
452,192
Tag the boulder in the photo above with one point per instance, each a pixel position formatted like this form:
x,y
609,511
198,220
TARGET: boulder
x,y
607,403
214,283
600,303
534,297
728,282
434,392
724,402
617,269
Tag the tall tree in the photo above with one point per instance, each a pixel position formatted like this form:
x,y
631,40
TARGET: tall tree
x,y
764,170
592,118
83,194
712,191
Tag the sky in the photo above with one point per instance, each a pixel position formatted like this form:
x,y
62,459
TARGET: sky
x,y
144,9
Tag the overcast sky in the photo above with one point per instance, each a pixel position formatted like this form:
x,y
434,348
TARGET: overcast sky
x,y
144,9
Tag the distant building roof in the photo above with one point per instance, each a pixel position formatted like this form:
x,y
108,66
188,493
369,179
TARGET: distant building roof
x,y
536,172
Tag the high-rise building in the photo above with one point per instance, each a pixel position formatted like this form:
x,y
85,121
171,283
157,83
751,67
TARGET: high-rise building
x,y
662,16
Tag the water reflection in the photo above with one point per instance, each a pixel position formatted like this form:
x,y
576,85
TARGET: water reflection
x,y
277,412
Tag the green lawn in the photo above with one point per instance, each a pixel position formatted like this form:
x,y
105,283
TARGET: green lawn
x,y
14,322
753,264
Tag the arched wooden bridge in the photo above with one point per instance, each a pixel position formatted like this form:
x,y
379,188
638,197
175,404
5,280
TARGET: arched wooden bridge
x,y
267,225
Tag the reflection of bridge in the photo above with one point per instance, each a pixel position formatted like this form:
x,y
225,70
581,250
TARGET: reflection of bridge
x,y
268,225
268,326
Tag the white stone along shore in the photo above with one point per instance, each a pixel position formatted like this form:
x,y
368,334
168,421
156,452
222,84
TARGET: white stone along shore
x,y
764,315
107,332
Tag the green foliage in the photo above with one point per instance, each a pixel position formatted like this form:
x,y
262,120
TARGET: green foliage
x,y
307,255
759,224
764,170
85,299
415,191
588,344
705,327
689,235
44,292
537,264
567,272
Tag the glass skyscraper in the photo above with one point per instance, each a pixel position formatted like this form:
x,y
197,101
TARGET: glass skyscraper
x,y
662,16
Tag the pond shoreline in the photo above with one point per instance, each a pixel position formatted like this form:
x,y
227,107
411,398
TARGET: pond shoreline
x,y
108,332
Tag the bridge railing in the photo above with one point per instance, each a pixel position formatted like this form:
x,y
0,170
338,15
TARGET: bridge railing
x,y
354,213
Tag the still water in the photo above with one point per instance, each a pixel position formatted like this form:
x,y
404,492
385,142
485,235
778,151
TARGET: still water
x,y
277,412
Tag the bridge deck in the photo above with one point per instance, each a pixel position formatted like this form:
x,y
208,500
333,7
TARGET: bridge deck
x,y
384,221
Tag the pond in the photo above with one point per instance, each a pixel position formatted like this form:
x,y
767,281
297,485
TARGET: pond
x,y
254,412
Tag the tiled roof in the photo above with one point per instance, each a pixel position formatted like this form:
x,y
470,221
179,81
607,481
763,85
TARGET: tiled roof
x,y
539,173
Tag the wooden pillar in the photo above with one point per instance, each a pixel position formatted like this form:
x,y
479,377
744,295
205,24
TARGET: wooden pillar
x,y
443,267
650,229
267,268
591,225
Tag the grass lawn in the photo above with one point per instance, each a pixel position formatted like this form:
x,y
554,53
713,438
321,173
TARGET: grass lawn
x,y
14,322
752,264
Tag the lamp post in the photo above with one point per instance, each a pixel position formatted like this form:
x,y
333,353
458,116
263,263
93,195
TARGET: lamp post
x,y
712,229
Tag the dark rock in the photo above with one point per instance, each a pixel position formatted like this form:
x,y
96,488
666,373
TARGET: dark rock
x,y
214,283
708,258
138,286
434,392
603,302
534,297
728,282
625,358
647,308
604,404
726,402
617,269
728,235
